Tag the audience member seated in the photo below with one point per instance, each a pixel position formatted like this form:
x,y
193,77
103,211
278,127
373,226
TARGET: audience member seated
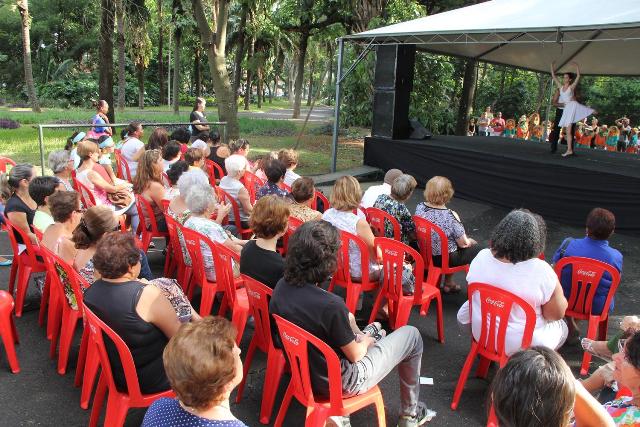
x,y
201,144
462,249
236,166
133,147
259,258
66,212
298,297
86,174
371,195
170,155
512,264
194,158
394,204
61,166
158,139
148,184
107,146
174,173
345,198
218,150
181,136
275,171
536,389
261,164
203,365
139,314
19,207
289,159
40,188
72,147
190,179
203,204
302,193
241,147
600,226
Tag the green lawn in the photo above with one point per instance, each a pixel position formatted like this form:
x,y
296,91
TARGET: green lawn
x,y
265,135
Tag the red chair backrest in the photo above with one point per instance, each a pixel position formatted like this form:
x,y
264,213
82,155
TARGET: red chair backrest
x,y
393,255
320,197
252,183
586,274
176,239
31,249
296,342
165,205
74,182
426,232
214,171
224,196
166,182
495,306
343,269
292,226
194,242
118,156
37,232
286,187
223,258
12,236
96,330
259,296
64,275
123,167
86,195
377,219
145,214
4,161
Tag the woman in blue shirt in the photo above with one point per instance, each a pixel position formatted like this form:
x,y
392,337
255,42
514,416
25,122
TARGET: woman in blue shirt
x,y
102,108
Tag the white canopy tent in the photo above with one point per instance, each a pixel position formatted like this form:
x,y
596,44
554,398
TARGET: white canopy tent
x,y
602,36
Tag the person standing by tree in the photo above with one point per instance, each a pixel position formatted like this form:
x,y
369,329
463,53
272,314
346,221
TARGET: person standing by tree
x,y
197,116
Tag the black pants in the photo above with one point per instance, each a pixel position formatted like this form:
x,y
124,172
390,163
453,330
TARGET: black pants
x,y
462,256
554,136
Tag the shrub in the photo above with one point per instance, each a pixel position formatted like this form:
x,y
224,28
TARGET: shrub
x,y
9,124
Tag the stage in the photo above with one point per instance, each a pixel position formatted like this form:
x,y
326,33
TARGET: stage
x,y
511,173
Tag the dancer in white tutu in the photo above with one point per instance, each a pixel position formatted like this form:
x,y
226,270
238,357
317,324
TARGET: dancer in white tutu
x,y
573,111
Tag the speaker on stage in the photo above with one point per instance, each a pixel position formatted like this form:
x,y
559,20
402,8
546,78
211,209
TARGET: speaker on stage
x,y
418,131
392,90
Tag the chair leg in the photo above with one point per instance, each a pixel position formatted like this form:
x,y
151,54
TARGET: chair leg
x,y
55,312
247,365
440,318
382,419
98,401
14,331
464,374
206,303
376,306
90,371
316,417
483,367
15,266
82,357
591,334
23,283
66,336
353,294
275,368
117,409
402,314
45,303
603,327
285,406
56,328
9,338
239,320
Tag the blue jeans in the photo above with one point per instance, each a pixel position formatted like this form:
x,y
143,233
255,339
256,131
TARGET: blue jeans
x,y
145,270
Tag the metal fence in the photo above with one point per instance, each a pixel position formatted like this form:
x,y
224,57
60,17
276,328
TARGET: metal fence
x,y
40,127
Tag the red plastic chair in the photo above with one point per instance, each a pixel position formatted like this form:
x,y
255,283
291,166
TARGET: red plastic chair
x,y
63,275
292,225
495,305
342,276
224,196
119,402
425,231
26,263
86,195
8,330
585,279
122,167
296,342
148,227
166,182
259,296
235,297
88,359
214,171
4,161
393,255
194,242
177,261
320,197
252,183
377,219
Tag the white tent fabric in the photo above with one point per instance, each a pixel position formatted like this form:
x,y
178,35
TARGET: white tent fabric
x,y
602,36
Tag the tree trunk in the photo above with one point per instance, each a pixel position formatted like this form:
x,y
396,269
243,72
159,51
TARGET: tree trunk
x,y
273,92
176,71
310,89
503,74
237,69
105,79
122,84
160,59
23,8
260,87
247,92
140,69
302,53
197,75
468,90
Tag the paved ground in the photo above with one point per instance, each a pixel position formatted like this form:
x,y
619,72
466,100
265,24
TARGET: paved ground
x,y
39,396
318,115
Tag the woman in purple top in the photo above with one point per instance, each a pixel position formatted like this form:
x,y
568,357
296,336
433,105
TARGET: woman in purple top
x,y
102,108
462,249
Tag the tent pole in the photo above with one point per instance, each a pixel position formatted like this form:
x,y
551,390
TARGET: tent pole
x,y
546,116
336,119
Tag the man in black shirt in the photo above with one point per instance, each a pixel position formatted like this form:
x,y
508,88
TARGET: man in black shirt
x,y
364,362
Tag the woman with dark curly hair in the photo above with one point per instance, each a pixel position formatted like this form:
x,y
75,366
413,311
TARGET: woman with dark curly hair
x,y
139,314
365,360
512,264
174,173
148,184
203,364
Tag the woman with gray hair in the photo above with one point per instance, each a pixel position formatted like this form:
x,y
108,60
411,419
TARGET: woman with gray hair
x,y
203,204
512,264
394,204
178,207
236,166
61,164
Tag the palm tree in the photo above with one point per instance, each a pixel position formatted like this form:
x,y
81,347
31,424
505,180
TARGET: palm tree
x,y
23,8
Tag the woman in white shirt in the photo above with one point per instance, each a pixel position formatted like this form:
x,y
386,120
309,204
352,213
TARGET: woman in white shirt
x,y
511,263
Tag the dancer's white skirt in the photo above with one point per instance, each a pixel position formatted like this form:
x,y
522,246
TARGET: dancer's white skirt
x,y
573,113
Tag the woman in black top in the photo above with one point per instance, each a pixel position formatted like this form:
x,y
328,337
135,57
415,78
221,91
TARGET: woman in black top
x,y
20,208
259,258
219,151
139,314
197,116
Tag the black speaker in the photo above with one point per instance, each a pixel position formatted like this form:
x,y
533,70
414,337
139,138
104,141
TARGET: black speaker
x,y
418,131
393,83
